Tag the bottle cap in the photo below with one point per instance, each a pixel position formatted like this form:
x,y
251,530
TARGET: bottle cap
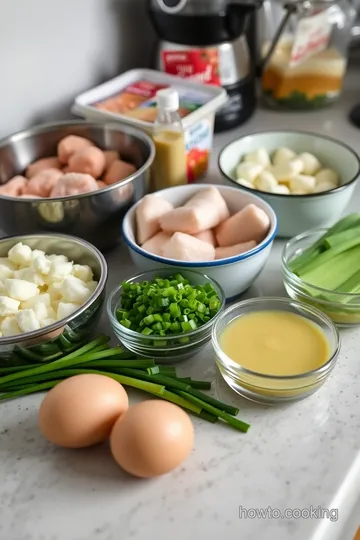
x,y
168,99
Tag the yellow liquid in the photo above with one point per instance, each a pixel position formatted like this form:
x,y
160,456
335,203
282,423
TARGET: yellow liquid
x,y
275,343
170,161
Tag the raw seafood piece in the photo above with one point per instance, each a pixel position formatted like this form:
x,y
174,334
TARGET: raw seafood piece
x,y
231,251
207,236
118,171
41,165
210,197
14,187
70,145
74,184
251,223
148,213
157,244
203,211
90,160
184,247
42,183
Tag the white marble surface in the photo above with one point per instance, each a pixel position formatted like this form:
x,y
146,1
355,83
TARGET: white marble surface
x,y
294,456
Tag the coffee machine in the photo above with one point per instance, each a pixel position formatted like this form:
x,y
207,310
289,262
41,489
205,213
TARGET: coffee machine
x,y
213,42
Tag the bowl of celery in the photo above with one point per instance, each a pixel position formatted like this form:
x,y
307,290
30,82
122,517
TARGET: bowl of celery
x,y
322,267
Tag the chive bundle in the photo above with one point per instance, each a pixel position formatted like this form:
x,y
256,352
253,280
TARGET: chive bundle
x,y
164,307
98,358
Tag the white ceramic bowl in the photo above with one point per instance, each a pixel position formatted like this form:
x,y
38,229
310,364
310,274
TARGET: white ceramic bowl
x,y
234,274
299,213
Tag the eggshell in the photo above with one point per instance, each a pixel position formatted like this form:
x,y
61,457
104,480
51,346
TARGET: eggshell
x,y
81,411
152,438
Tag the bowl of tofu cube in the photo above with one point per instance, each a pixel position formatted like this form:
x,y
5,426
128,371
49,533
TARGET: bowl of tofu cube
x,y
307,178
52,290
220,231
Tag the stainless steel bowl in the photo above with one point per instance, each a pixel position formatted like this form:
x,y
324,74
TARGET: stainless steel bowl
x,y
94,216
51,342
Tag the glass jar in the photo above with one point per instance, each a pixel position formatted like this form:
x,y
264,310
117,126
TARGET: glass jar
x,y
305,63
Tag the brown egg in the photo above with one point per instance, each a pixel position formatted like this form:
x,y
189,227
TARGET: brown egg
x,y
152,438
81,411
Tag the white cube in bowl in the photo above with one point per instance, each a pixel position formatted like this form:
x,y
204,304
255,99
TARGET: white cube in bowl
x,y
299,213
234,274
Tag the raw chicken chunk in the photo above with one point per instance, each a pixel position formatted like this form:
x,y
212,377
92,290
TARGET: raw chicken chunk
x,y
90,160
110,157
71,145
183,247
231,251
119,170
41,165
251,223
207,236
157,244
14,187
148,213
203,211
74,184
42,183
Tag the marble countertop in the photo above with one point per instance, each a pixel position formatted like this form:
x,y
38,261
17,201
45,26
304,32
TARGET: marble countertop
x,y
294,457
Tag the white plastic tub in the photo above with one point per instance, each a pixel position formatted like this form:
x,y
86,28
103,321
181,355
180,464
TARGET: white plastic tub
x,y
198,124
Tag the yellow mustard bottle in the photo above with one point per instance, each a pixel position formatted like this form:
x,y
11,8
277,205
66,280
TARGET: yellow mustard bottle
x,y
170,160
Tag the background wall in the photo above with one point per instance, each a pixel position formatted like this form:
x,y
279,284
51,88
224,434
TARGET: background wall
x,y
52,50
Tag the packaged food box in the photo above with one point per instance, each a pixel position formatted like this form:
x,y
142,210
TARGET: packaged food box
x,y
131,99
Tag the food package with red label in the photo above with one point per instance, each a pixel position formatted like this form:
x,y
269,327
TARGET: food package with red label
x,y
201,65
131,99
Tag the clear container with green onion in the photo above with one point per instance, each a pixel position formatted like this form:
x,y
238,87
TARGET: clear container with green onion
x,y
165,314
322,268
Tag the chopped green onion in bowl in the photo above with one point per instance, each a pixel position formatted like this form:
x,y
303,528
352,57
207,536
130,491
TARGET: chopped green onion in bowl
x,y
165,315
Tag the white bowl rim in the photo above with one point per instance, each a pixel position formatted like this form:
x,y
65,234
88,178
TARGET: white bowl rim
x,y
282,195
220,262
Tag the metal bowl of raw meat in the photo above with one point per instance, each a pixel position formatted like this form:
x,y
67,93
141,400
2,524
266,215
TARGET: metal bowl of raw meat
x,y
94,216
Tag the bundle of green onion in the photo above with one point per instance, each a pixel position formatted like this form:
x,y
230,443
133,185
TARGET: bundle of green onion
x,y
164,307
97,357
333,262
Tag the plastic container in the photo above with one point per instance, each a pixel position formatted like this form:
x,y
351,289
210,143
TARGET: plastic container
x,y
198,105
273,389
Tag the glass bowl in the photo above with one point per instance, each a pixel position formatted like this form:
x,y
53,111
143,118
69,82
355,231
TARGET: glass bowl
x,y
343,309
272,389
167,349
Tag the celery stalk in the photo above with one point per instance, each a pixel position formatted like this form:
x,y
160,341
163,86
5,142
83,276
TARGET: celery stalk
x,y
342,237
335,271
343,224
329,255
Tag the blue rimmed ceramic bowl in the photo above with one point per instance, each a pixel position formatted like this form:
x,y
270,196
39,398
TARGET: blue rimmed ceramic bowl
x,y
234,274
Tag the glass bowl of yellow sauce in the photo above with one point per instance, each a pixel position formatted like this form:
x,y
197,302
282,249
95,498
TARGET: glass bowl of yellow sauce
x,y
343,308
273,350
